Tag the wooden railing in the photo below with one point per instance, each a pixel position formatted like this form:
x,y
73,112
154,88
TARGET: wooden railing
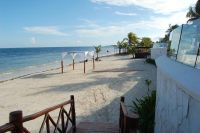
x,y
16,119
128,122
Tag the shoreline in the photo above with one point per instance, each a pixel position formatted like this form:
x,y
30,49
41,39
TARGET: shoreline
x,y
39,72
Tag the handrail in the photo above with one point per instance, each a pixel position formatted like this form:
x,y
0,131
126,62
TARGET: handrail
x,y
7,127
123,108
126,114
45,111
127,120
16,119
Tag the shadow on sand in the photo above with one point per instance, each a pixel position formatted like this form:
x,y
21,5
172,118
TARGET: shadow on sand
x,y
40,76
109,112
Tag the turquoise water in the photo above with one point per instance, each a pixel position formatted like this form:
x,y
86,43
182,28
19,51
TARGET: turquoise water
x,y
15,62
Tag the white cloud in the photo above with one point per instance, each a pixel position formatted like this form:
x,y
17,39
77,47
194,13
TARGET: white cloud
x,y
125,14
155,28
47,30
89,23
158,6
33,40
99,31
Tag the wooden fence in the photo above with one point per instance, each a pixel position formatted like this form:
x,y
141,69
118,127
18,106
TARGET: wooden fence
x,y
16,119
128,122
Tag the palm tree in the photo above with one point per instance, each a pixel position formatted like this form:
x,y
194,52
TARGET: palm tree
x,y
194,13
197,7
97,50
119,45
146,42
191,13
132,50
171,28
125,46
132,38
168,31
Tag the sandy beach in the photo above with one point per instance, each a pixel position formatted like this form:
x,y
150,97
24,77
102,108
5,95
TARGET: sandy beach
x,y
97,92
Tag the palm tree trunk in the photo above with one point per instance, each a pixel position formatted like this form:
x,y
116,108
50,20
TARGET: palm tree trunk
x,y
133,56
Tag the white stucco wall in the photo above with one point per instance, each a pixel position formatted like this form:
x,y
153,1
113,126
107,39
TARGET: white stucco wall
x,y
178,97
157,52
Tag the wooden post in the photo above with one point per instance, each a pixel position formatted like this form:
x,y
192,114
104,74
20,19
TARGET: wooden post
x,y
121,117
73,64
62,67
63,121
84,66
47,124
73,113
93,63
16,118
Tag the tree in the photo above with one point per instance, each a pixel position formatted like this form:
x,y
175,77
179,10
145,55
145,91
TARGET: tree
x,y
125,46
132,38
165,39
168,32
197,7
132,50
167,35
194,12
171,28
146,42
119,45
97,50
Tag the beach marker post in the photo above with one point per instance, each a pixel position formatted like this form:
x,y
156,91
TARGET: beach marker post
x,y
84,65
73,64
85,57
62,67
93,63
73,54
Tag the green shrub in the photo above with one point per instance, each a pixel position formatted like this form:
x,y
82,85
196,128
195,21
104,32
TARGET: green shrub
x,y
145,107
148,83
151,61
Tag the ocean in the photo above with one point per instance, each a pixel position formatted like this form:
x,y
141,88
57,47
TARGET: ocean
x,y
17,62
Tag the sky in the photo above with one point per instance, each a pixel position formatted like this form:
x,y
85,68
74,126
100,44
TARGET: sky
x,y
62,23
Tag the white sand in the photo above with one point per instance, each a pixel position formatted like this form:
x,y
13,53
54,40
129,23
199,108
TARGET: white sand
x,y
96,93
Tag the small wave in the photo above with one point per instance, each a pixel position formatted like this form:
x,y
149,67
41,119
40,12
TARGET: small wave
x,y
31,67
56,61
6,73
